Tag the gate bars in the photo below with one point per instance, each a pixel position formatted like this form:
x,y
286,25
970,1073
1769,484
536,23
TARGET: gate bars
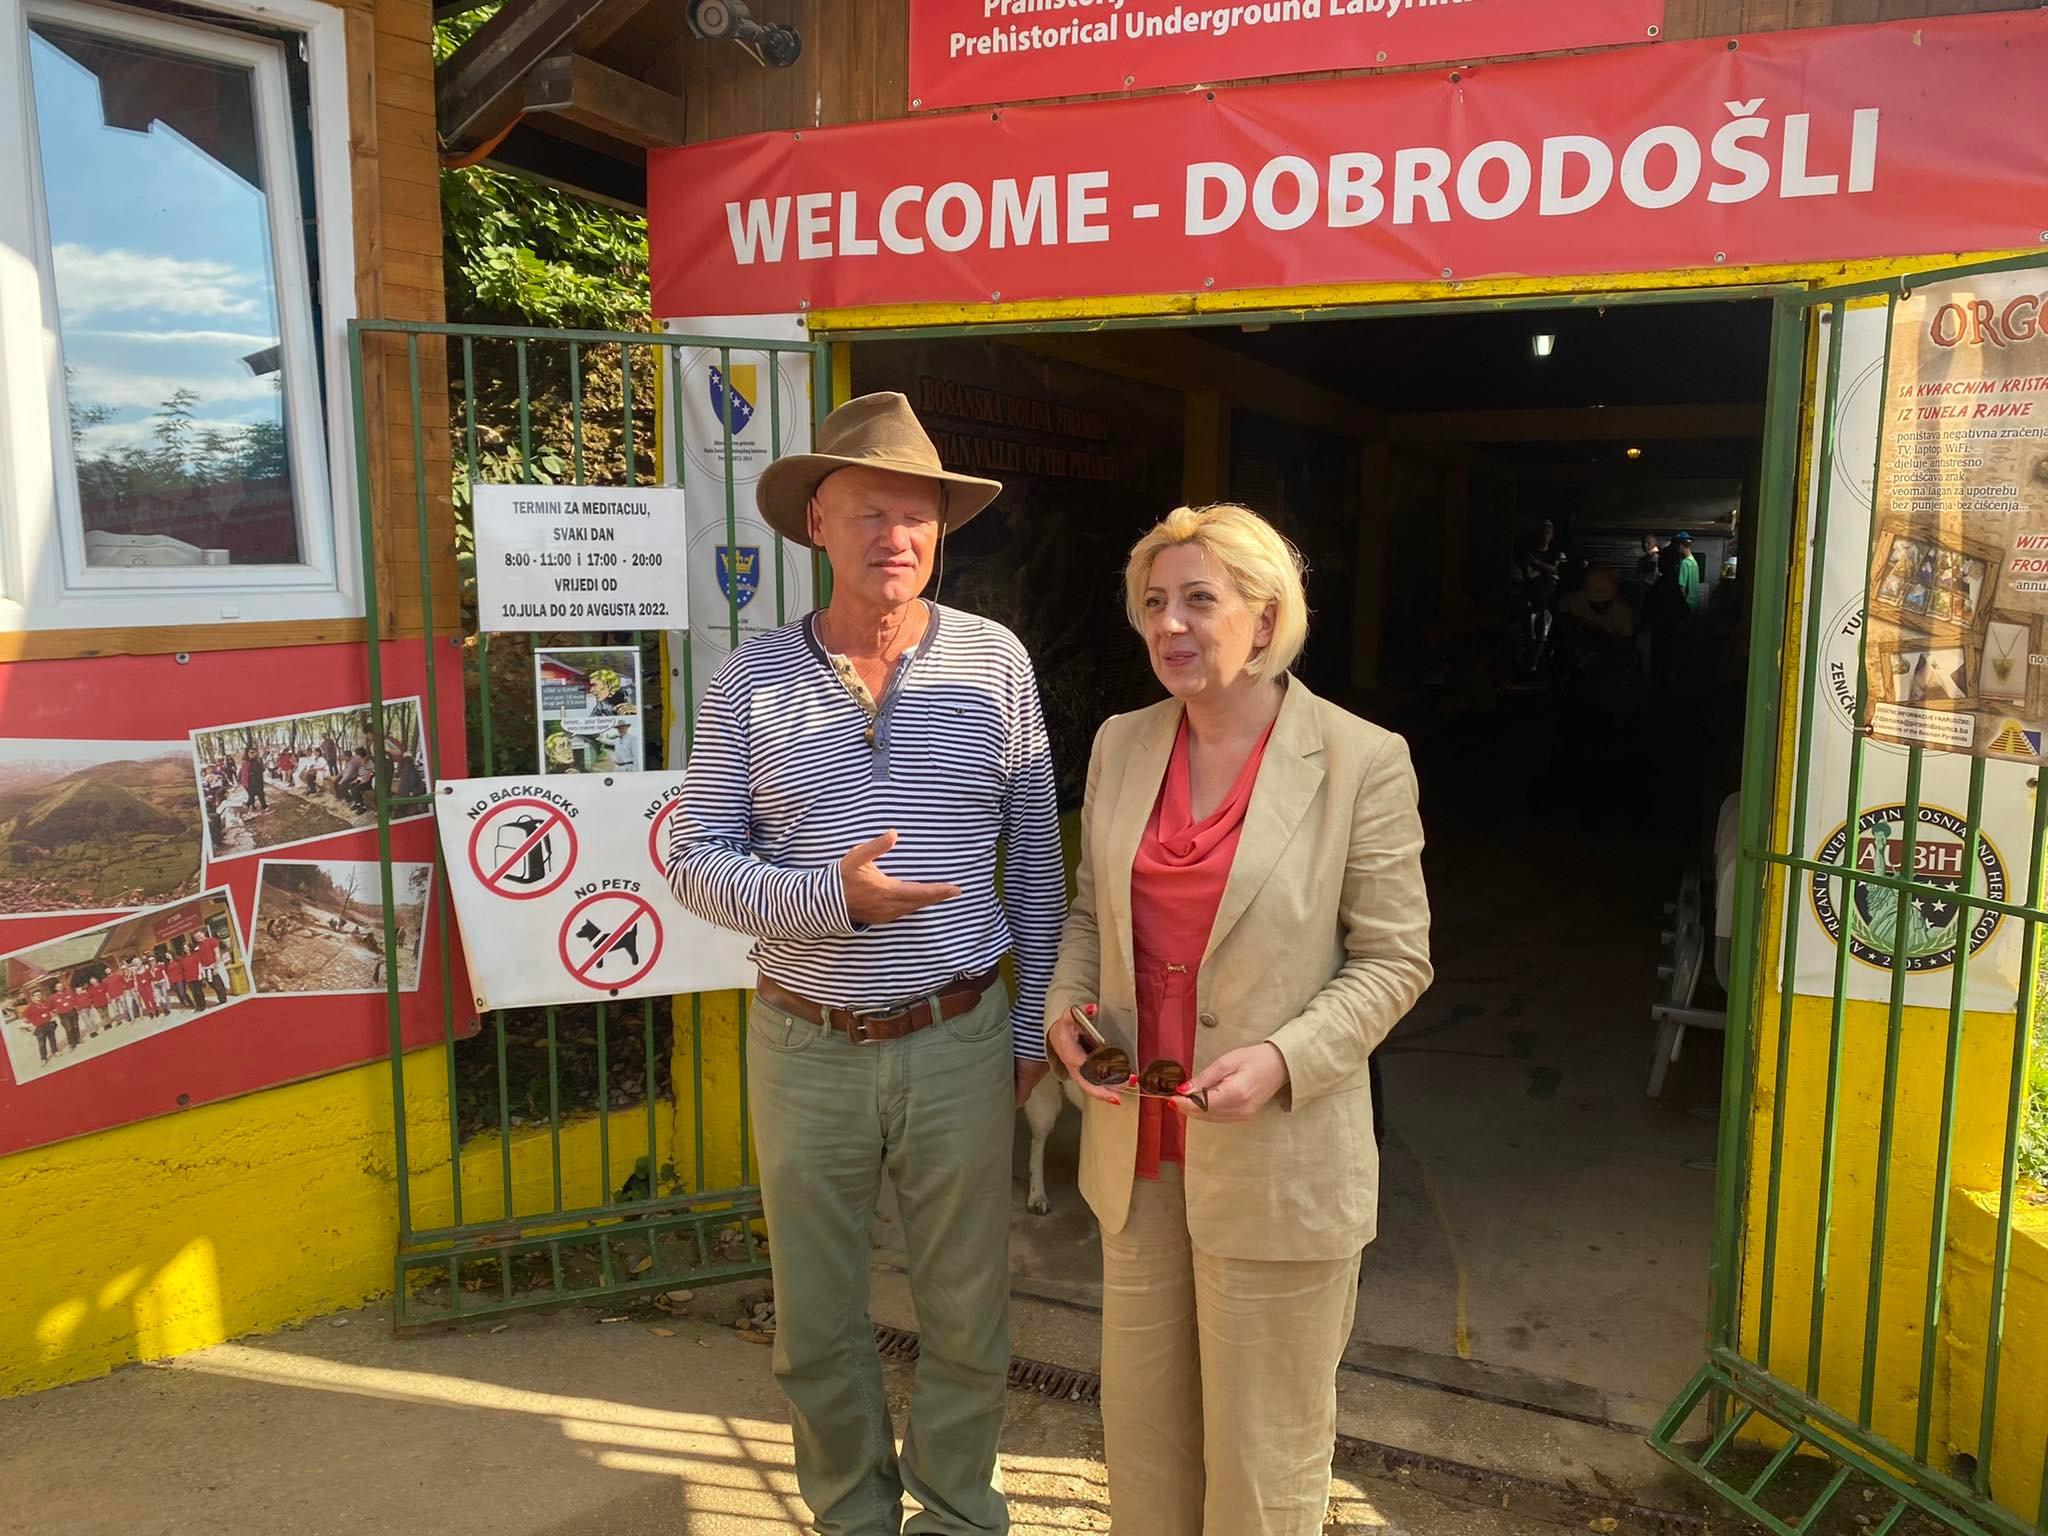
x,y
474,1240
1744,1382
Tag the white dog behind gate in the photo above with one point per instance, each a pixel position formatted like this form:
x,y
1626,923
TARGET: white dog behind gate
x,y
1042,1113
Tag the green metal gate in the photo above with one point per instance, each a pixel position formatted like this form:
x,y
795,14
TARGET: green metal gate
x,y
1834,1449
530,1159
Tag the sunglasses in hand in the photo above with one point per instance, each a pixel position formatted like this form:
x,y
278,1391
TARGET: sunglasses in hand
x,y
1109,1066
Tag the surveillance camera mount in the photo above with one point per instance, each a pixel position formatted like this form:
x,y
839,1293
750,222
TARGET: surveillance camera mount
x,y
769,44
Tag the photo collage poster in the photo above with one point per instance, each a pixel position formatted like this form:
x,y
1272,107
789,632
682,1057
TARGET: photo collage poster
x,y
168,896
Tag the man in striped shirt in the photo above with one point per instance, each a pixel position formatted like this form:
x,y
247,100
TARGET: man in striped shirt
x,y
851,780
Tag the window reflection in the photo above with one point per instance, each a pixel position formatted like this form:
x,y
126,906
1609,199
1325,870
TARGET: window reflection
x,y
167,294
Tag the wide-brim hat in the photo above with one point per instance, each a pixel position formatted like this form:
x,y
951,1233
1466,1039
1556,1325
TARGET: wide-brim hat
x,y
878,431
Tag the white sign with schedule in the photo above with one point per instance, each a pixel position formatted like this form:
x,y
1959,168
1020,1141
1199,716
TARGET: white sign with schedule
x,y
581,557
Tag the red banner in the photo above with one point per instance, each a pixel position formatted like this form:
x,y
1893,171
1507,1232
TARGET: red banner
x,y
969,52
1900,139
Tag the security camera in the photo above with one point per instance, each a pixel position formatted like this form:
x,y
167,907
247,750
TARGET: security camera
x,y
770,44
778,46
716,20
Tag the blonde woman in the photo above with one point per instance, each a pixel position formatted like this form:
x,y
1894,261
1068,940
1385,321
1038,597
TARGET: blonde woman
x,y
1249,922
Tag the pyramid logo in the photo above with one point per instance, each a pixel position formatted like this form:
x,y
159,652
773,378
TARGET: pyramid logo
x,y
2015,740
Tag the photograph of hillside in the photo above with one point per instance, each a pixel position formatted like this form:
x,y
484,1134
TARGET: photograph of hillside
x,y
96,826
320,926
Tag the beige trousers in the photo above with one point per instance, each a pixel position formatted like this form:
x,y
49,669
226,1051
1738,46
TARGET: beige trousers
x,y
1219,1379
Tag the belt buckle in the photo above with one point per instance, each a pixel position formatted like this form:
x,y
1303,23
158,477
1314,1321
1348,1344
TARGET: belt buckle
x,y
857,1022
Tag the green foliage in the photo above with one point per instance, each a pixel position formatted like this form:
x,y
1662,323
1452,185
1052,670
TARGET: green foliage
x,y
2034,1118
519,253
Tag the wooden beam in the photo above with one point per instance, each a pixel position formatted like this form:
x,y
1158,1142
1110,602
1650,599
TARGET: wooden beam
x,y
479,91
1601,424
549,158
1182,360
163,639
583,91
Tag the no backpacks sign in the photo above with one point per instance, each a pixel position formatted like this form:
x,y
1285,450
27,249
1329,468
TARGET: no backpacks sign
x,y
562,896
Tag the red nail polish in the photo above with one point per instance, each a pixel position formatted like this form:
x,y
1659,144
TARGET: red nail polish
x,y
1091,1010
1183,1088
1116,1101
1133,1081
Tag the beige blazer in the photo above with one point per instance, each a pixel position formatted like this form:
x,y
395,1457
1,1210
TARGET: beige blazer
x,y
1321,944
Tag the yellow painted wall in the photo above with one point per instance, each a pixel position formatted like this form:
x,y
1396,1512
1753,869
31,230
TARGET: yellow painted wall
x,y
179,1232
1910,1238
724,1076
2020,1433
587,1177
175,1233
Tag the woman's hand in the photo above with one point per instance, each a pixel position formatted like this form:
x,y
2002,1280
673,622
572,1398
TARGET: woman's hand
x,y
1238,1084
1063,1034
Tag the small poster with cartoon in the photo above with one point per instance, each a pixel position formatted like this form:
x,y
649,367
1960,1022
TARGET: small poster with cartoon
x,y
588,709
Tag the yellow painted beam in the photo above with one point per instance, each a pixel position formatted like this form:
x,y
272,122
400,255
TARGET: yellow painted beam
x,y
1310,297
842,374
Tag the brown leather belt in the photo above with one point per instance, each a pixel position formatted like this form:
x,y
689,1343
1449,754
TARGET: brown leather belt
x,y
867,1026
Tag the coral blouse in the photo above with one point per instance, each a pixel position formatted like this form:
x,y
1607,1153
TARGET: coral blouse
x,y
1177,883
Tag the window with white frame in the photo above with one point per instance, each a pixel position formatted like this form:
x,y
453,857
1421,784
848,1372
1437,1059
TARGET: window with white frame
x,y
172,198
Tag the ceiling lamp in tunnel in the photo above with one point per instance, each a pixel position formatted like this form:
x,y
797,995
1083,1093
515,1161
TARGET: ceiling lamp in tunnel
x,y
1544,343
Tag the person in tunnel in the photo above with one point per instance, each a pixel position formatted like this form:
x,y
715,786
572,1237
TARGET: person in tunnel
x,y
1249,922
1542,564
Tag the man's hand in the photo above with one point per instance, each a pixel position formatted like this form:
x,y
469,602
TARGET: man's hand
x,y
872,897
1238,1084
1030,1074
1064,1036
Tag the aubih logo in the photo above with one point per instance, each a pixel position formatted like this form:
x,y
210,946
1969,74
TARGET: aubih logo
x,y
1933,917
739,572
740,391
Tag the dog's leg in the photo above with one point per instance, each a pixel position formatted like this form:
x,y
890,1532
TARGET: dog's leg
x,y
1041,1112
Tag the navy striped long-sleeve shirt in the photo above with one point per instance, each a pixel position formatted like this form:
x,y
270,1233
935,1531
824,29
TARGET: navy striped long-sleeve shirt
x,y
783,779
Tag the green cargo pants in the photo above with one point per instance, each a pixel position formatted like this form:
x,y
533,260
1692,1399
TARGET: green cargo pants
x,y
935,1110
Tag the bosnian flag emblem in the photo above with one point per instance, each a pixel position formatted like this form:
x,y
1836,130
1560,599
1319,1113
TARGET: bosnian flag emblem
x,y
739,390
